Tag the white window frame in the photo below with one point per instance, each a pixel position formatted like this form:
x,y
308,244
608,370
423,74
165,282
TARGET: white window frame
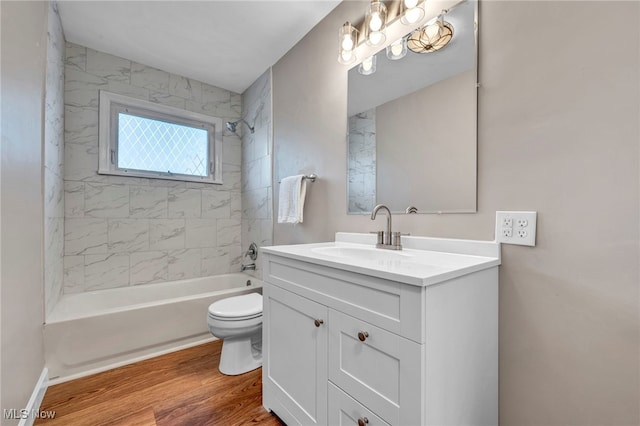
x,y
112,103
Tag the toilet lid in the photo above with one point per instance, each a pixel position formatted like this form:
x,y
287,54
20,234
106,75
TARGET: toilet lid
x,y
237,306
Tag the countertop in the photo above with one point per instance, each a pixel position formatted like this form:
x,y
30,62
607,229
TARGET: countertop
x,y
423,265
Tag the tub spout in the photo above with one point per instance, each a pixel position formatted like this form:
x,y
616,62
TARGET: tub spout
x,y
251,267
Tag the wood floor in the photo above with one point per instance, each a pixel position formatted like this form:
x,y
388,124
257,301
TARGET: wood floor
x,y
181,388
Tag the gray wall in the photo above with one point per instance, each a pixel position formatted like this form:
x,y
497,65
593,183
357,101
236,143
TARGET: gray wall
x,y
310,127
24,41
558,133
122,231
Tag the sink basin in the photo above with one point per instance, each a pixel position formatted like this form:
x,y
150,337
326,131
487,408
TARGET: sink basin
x,y
362,253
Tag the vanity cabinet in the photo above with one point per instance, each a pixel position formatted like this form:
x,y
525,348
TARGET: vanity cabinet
x,y
342,347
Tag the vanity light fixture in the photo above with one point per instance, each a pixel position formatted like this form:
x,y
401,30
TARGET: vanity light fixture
x,y
368,66
411,12
375,23
348,40
431,37
397,49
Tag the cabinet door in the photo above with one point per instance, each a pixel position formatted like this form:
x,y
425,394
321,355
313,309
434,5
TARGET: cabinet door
x,y
379,369
294,357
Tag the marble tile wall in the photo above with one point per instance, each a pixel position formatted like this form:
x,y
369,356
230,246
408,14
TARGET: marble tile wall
x,y
122,231
53,161
362,162
257,210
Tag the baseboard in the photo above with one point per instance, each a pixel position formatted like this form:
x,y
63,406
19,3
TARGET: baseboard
x,y
33,406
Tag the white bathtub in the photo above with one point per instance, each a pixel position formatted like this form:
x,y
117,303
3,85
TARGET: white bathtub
x,y
95,331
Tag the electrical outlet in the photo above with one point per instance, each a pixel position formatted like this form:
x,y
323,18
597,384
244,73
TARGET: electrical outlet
x,y
514,227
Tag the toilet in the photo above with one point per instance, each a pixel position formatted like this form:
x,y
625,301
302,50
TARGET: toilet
x,y
238,322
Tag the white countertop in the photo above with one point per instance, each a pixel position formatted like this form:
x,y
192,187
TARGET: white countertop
x,y
428,261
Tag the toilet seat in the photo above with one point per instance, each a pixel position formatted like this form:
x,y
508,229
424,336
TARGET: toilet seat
x,y
237,308
231,319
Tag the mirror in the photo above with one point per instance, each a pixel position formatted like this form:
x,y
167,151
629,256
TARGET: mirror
x,y
412,139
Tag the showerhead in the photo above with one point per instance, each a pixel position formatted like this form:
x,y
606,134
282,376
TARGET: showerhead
x,y
232,125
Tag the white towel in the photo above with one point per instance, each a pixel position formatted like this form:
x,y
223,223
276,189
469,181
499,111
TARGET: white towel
x,y
293,189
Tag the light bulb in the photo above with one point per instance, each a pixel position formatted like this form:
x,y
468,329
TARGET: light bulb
x,y
347,42
412,15
376,18
347,55
396,48
347,39
367,64
433,29
375,23
376,38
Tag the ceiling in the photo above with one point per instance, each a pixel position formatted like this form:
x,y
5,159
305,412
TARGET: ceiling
x,y
227,44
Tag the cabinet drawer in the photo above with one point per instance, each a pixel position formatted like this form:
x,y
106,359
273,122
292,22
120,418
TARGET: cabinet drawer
x,y
379,369
386,304
346,411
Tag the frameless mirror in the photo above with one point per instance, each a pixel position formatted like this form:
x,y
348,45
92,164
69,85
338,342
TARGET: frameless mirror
x,y
412,139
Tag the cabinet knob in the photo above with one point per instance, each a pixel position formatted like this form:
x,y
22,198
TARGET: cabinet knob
x,y
363,336
318,322
363,421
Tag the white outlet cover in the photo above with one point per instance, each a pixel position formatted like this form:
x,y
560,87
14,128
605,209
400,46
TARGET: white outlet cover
x,y
522,230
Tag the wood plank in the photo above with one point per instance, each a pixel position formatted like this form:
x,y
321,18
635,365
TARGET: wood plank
x,y
181,388
145,417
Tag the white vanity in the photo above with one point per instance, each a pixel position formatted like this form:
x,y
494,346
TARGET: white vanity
x,y
354,335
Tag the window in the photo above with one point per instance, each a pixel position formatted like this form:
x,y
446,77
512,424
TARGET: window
x,y
143,139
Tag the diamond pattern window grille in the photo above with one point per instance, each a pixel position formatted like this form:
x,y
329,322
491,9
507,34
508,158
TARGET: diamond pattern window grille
x,y
159,146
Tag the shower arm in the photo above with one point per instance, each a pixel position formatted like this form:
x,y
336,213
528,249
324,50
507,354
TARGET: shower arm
x,y
232,125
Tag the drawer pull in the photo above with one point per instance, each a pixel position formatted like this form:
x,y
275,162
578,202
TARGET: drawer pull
x,y
318,322
363,421
363,336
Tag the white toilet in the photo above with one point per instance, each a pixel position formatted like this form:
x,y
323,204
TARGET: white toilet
x,y
238,321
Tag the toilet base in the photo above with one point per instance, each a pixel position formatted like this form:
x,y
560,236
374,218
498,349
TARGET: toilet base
x,y
240,354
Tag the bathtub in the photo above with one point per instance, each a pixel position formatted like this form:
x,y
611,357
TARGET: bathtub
x,y
95,331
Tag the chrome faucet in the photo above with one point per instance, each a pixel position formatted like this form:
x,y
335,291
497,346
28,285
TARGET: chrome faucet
x,y
387,239
252,254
